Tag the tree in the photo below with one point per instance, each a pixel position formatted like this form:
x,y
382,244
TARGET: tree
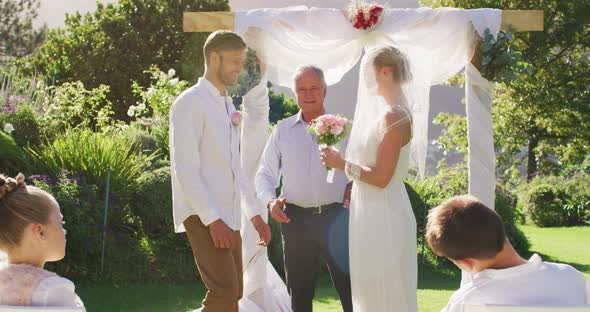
x,y
115,45
17,36
544,111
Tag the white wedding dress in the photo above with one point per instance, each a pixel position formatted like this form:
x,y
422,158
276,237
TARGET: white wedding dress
x,y
383,255
383,252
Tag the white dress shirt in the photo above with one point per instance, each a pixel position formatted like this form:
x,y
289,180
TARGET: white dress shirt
x,y
207,176
293,154
535,283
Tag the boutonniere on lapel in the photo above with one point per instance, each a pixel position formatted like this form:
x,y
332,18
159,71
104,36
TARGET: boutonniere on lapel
x,y
236,118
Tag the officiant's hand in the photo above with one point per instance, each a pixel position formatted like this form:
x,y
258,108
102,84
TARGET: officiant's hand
x,y
263,230
222,235
276,212
332,158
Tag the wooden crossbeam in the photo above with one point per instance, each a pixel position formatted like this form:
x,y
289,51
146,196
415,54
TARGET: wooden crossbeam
x,y
520,20
207,21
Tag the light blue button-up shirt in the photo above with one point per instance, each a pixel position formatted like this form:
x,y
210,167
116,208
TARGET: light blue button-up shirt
x,y
293,154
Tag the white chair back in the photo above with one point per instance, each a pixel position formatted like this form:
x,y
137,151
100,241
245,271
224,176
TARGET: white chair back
x,y
500,308
39,309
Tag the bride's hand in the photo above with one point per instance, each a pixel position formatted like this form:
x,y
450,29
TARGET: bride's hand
x,y
332,158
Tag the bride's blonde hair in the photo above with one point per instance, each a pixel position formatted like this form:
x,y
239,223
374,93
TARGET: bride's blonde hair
x,y
390,56
20,205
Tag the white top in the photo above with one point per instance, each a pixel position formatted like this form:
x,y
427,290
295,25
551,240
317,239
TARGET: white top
x,y
207,175
292,152
535,283
56,292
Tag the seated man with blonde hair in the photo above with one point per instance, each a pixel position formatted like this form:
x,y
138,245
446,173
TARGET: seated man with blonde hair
x,y
472,235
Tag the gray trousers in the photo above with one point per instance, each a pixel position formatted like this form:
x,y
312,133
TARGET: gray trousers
x,y
309,236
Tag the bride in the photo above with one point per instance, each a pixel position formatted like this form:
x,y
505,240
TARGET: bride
x,y
383,260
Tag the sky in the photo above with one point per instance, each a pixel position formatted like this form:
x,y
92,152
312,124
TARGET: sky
x,y
53,12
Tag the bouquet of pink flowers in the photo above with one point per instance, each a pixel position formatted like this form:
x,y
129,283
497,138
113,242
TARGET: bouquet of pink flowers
x,y
330,130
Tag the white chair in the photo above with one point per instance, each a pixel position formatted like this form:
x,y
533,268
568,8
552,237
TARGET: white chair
x,y
504,308
39,309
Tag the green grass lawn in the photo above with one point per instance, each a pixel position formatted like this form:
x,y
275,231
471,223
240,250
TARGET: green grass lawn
x,y
569,245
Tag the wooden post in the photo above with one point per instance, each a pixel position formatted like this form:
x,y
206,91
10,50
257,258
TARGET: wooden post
x,y
476,59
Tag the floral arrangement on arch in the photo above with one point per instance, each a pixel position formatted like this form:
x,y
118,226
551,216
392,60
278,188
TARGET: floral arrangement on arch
x,y
364,15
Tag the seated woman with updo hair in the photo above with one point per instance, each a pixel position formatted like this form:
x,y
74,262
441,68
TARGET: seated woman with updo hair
x,y
31,234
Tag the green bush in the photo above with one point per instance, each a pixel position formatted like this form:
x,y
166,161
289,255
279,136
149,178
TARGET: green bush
x,y
419,207
26,128
572,169
140,139
168,253
280,107
12,158
557,200
72,106
151,113
163,90
90,155
20,99
116,43
151,200
83,207
450,182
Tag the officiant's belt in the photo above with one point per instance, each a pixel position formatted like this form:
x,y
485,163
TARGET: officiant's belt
x,y
315,210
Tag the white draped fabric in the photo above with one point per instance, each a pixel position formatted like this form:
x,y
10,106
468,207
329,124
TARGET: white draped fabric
x,y
438,43
239,5
264,289
482,159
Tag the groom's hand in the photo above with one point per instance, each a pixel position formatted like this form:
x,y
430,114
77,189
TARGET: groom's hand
x,y
276,211
263,230
222,235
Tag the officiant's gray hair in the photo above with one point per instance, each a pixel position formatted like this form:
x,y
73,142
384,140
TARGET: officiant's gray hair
x,y
309,68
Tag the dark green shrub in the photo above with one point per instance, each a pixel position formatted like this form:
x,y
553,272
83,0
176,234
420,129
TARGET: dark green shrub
x,y
12,158
419,207
168,253
83,207
557,200
280,107
26,128
116,43
449,182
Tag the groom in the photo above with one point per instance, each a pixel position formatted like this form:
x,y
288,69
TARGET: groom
x,y
208,182
314,222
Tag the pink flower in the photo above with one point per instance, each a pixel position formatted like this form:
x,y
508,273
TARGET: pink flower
x,y
320,128
236,118
331,120
336,130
